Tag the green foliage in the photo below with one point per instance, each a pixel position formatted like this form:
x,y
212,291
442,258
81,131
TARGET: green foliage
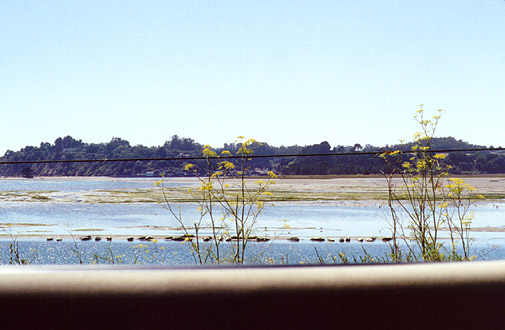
x,y
227,204
70,148
15,255
108,258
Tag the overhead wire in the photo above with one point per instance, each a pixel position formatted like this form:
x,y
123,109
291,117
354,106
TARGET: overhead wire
x,y
188,158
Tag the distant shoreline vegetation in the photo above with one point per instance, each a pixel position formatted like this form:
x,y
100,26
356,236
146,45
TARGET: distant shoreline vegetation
x,y
68,148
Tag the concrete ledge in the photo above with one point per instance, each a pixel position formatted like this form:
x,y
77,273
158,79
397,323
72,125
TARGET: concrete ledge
x,y
412,296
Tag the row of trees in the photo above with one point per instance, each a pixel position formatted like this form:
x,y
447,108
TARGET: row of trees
x,y
479,162
68,148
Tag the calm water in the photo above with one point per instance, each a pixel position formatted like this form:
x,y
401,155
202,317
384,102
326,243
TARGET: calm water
x,y
152,219
48,184
305,221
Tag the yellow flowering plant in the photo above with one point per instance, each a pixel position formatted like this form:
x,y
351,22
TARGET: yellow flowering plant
x,y
228,205
421,192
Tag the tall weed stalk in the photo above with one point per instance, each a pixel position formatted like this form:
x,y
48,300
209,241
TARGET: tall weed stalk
x,y
227,208
424,201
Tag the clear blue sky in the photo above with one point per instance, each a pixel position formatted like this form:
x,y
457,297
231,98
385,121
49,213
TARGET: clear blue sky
x,y
284,72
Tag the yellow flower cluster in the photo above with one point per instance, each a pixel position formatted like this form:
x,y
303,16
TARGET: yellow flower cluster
x,y
272,174
206,186
440,156
208,152
228,165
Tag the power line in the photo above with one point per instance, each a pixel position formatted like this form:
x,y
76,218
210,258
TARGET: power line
x,y
357,153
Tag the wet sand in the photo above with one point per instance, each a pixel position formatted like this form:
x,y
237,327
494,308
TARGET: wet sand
x,y
359,191
345,191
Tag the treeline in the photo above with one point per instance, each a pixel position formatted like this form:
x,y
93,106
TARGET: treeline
x,y
68,148
480,162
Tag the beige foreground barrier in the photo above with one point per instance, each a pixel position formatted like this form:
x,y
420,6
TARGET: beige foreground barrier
x,y
417,296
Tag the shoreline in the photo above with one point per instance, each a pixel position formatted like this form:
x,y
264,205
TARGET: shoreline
x,y
352,192
346,191
161,239
168,237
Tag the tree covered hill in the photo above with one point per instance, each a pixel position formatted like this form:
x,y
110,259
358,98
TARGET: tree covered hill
x,y
68,148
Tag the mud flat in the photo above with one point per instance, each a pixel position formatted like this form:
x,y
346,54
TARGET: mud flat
x,y
347,191
332,207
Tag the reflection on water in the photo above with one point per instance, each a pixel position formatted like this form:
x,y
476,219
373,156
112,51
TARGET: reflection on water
x,y
305,221
175,253
48,184
152,219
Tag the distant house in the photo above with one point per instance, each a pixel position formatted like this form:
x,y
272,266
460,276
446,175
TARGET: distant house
x,y
27,172
259,171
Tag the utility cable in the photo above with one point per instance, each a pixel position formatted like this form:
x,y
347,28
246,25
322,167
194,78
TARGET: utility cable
x,y
356,153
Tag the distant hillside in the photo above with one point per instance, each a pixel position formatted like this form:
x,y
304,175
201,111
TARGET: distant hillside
x,y
69,148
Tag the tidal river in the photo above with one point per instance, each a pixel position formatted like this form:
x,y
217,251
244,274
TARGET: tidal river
x,y
33,210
